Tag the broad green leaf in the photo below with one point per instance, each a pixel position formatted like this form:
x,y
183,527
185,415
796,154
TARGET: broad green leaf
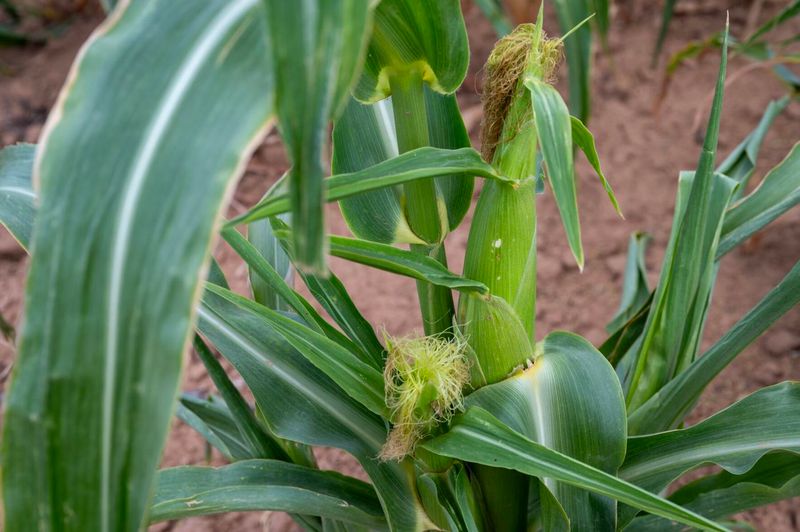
x,y
555,137
452,493
391,259
776,194
479,437
330,36
667,408
213,420
677,314
301,404
569,400
260,443
578,47
741,162
360,380
734,439
584,140
264,485
775,477
17,199
136,159
418,164
635,292
408,35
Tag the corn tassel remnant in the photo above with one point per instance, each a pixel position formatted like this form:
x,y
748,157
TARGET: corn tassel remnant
x,y
424,379
526,50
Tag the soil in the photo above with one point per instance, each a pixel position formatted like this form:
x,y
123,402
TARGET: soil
x,y
642,152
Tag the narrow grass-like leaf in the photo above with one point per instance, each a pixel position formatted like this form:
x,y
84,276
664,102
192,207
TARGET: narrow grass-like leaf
x,y
212,419
360,380
301,404
332,295
584,140
17,199
417,164
776,194
635,291
667,408
787,13
555,137
774,478
740,163
479,437
264,485
260,443
670,339
145,140
391,259
666,18
735,439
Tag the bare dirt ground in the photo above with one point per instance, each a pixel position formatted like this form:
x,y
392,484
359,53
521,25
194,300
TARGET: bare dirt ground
x,y
641,152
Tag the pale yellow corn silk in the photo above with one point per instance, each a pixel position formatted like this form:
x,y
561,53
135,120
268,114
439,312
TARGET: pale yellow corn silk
x,y
513,56
425,377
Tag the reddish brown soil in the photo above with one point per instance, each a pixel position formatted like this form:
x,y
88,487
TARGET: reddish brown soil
x,y
642,153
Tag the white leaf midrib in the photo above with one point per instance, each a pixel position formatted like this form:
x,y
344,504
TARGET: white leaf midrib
x,y
164,114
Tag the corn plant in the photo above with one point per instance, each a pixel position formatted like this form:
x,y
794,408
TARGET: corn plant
x,y
472,426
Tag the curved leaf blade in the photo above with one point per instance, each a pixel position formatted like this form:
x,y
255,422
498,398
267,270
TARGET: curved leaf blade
x,y
106,316
479,437
264,485
17,199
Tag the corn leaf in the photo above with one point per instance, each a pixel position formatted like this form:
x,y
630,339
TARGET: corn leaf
x,y
266,244
667,408
735,439
332,295
774,478
264,485
260,443
554,404
741,162
300,403
578,47
584,140
776,194
666,18
680,304
479,437
411,166
330,36
555,137
635,292
213,420
452,490
391,259
17,199
361,381
408,35
787,13
105,316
